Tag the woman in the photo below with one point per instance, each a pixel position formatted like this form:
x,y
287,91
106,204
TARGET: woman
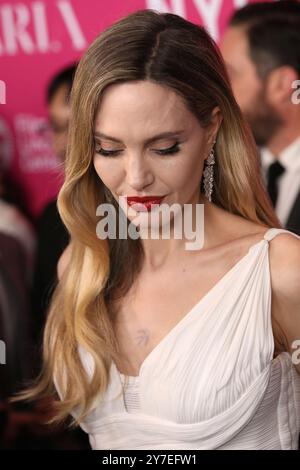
x,y
150,344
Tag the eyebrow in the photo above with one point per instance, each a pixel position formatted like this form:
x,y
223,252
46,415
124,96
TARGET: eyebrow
x,y
163,135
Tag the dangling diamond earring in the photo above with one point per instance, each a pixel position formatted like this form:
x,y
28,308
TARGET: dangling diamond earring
x,y
209,174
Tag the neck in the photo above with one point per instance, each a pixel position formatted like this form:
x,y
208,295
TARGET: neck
x,y
161,252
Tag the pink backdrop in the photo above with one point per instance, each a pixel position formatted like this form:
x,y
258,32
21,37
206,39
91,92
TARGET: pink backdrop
x,y
37,38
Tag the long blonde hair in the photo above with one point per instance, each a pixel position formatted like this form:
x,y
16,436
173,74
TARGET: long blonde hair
x,y
171,51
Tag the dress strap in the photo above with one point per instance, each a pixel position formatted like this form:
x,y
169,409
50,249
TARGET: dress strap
x,y
272,232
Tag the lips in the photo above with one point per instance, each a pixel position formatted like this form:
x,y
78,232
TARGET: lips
x,y
144,203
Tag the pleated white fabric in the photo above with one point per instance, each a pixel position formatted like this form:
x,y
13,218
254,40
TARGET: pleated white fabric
x,y
212,382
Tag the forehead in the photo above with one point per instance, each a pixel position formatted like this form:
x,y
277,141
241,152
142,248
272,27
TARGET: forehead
x,y
140,105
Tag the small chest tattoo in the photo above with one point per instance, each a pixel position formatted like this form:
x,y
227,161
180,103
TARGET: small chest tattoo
x,y
142,337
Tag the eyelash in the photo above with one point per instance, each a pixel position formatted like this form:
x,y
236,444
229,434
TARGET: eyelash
x,y
112,153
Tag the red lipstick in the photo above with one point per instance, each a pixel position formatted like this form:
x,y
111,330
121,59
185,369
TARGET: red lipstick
x,y
143,203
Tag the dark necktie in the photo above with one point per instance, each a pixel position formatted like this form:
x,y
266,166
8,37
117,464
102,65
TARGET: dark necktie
x,y
274,171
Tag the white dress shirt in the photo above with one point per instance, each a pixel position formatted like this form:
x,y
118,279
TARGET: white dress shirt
x,y
289,181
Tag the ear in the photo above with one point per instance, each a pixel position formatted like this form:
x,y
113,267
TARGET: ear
x,y
279,84
214,126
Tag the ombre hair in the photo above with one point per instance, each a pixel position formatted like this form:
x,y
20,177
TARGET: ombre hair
x,y
168,50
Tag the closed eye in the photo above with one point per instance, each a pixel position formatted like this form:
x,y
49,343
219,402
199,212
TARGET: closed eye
x,y
112,153
170,150
107,153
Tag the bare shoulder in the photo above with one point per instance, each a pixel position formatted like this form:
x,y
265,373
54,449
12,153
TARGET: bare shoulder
x,y
284,258
63,261
284,255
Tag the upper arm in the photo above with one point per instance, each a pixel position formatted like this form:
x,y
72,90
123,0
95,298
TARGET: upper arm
x,y
285,279
63,261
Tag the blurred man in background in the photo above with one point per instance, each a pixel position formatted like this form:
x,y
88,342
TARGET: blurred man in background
x,y
52,235
58,100
261,49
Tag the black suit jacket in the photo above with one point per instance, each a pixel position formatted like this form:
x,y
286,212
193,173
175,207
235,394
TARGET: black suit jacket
x,y
293,221
52,239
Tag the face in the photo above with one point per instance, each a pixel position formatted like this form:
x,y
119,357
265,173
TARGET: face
x,y
59,116
250,91
147,143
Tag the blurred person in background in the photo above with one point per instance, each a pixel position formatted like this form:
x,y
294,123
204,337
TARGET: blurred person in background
x,y
14,323
14,223
22,426
261,48
52,239
15,320
52,235
17,245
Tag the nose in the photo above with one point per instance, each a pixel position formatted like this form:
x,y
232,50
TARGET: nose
x,y
138,173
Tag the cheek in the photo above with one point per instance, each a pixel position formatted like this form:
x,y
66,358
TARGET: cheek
x,y
188,174
109,172
195,173
245,91
239,86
